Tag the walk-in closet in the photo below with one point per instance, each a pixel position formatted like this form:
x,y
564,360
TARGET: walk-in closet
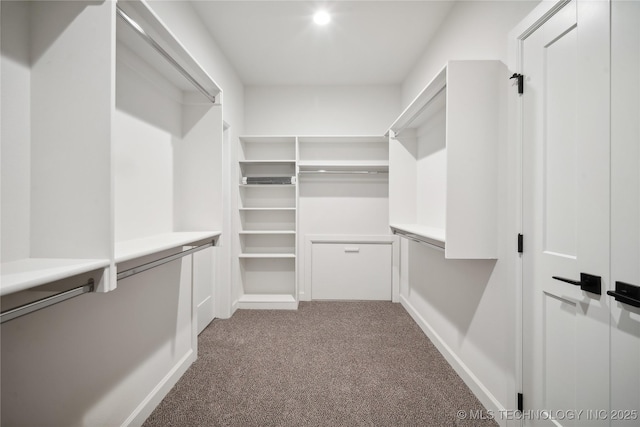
x,y
323,213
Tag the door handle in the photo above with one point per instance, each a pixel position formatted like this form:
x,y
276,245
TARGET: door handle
x,y
626,293
587,282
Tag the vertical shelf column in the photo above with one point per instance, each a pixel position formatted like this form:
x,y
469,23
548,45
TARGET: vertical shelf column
x,y
267,222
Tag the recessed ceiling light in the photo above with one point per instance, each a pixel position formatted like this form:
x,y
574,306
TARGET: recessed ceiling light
x,y
321,18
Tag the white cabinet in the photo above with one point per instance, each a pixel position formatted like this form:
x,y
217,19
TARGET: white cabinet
x,y
351,271
109,153
443,161
266,222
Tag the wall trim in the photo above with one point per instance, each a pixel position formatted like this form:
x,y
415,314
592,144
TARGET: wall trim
x,y
153,399
475,385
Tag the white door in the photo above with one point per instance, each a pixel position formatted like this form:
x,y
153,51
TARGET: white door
x,y
625,210
566,216
203,285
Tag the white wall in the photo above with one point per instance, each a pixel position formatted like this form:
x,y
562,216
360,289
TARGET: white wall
x,y
473,29
187,26
467,307
320,110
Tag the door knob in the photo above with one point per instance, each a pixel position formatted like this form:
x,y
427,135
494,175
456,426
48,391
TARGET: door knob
x,y
626,293
587,282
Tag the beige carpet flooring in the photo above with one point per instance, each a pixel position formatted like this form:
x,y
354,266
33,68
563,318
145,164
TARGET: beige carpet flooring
x,y
326,364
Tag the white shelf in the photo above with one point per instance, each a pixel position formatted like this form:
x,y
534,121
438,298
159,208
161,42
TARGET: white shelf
x,y
267,162
347,165
31,272
267,232
266,185
136,248
432,235
267,255
268,301
266,209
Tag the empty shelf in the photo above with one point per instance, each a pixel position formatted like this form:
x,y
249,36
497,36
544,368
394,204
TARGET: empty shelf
x,y
266,255
267,301
31,272
425,234
136,248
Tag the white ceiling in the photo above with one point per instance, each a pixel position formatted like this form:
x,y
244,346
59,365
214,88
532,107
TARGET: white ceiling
x,y
366,42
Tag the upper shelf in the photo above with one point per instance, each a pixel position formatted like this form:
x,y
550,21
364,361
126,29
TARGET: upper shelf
x,y
31,272
346,166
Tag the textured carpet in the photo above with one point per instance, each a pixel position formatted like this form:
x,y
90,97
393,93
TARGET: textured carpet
x,y
327,364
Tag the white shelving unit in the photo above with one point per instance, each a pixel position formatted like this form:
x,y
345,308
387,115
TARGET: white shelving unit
x,y
86,182
443,154
267,218
167,142
56,144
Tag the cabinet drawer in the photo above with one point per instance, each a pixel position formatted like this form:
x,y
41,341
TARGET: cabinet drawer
x,y
351,271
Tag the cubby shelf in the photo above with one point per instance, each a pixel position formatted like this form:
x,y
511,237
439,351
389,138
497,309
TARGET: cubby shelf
x,y
443,158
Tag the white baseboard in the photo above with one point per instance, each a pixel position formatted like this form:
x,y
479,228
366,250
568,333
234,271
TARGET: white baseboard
x,y
153,399
485,397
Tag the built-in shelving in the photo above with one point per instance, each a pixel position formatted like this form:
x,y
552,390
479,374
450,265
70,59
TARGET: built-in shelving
x,y
266,223
443,154
83,179
144,246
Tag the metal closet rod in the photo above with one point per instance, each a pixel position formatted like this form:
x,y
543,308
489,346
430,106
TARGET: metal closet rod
x,y
138,29
341,172
420,111
158,262
418,239
24,309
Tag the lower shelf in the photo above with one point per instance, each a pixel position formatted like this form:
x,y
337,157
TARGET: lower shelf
x,y
31,272
268,302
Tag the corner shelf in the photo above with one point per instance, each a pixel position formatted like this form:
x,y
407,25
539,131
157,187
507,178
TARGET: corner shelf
x,y
443,161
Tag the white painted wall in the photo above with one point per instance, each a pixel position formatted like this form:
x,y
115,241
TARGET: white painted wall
x,y
320,110
474,29
187,26
467,306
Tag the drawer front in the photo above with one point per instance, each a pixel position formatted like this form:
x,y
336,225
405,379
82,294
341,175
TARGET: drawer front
x,y
351,271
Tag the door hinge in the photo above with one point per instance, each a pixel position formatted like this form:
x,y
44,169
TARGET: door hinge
x,y
520,243
520,402
520,78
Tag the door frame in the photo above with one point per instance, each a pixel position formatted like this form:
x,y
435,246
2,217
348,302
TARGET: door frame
x,y
536,18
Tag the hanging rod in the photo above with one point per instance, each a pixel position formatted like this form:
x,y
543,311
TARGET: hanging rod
x,y
24,309
156,263
334,171
420,239
138,29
